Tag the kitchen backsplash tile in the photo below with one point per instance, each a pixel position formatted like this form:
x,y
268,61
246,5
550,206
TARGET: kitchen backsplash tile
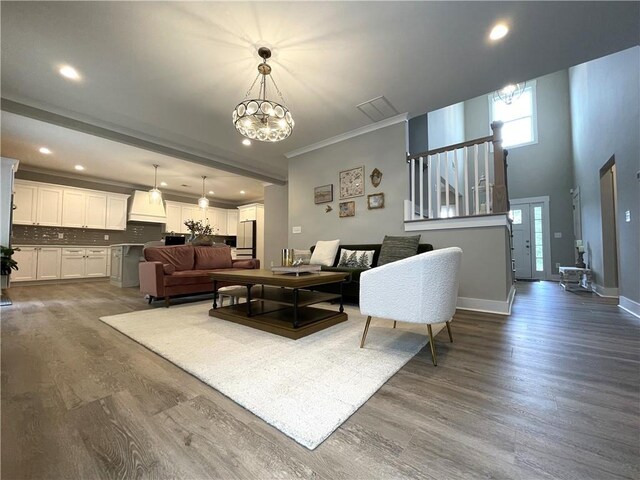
x,y
38,235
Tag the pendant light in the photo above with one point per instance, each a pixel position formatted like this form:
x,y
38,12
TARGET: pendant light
x,y
259,118
203,202
155,195
510,93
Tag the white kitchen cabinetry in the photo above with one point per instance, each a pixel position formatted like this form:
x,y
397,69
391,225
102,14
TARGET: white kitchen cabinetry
x,y
124,264
248,212
84,262
116,212
84,209
37,263
218,220
190,213
37,204
232,223
51,205
174,217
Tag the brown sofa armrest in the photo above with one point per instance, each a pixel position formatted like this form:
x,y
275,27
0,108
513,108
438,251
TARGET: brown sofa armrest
x,y
251,263
151,278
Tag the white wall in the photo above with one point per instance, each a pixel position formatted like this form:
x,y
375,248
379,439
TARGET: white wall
x,y
276,217
605,108
446,126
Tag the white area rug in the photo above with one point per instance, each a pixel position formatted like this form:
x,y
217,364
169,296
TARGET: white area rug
x,y
305,388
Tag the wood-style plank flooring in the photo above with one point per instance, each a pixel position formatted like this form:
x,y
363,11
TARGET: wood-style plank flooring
x,y
553,391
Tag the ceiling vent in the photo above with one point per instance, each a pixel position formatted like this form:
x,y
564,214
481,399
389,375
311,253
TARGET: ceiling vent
x,y
378,108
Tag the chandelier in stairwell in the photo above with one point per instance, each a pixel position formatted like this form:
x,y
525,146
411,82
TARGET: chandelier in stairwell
x,y
510,93
155,195
260,118
203,201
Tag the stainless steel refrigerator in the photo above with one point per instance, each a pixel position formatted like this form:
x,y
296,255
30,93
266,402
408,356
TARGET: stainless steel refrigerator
x,y
246,240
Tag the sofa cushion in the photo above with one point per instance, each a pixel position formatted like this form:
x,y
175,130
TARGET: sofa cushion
x,y
249,263
180,256
168,268
397,248
207,258
324,252
188,277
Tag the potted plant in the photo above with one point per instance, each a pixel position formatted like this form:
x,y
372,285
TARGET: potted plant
x,y
7,263
201,234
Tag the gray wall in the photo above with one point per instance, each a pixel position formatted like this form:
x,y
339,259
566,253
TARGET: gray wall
x,y
446,126
605,108
276,218
383,149
544,168
418,134
485,268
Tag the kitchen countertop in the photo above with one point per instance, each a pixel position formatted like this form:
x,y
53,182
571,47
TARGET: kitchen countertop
x,y
58,246
127,245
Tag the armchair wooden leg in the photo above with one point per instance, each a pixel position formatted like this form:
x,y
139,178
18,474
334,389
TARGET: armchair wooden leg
x,y
366,329
433,346
394,324
449,330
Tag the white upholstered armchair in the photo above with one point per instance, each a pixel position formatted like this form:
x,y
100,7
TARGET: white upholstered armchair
x,y
418,289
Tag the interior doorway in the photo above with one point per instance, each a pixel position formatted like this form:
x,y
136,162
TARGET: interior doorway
x,y
531,239
608,209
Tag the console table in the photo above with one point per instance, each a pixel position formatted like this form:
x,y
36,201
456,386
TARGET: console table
x,y
277,303
575,278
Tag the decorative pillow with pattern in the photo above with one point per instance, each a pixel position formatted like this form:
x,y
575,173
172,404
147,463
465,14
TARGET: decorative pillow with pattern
x,y
397,248
356,258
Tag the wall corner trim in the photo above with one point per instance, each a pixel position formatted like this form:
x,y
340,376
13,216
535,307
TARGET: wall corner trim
x,y
629,306
403,117
500,307
608,292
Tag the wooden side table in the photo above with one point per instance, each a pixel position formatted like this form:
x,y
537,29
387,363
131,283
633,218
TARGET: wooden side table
x,y
575,278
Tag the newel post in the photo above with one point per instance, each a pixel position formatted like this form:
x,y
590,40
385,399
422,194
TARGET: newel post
x,y
500,197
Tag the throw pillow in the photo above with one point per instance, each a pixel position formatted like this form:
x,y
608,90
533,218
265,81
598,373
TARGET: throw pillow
x,y
325,252
397,248
356,258
305,255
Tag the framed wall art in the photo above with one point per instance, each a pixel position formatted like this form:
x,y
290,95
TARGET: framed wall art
x,y
347,209
375,201
352,183
323,194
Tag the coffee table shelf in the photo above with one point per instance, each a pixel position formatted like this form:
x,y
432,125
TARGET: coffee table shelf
x,y
283,296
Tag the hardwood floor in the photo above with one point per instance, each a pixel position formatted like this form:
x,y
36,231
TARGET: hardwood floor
x,y
553,391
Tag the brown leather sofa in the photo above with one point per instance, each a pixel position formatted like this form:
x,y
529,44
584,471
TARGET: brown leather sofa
x,y
184,270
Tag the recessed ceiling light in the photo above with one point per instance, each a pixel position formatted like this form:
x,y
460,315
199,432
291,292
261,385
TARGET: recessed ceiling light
x,y
44,150
69,72
499,31
211,192
79,168
163,184
242,192
246,142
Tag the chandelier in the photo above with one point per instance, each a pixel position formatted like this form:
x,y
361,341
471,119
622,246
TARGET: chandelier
x,y
510,93
259,118
203,202
155,195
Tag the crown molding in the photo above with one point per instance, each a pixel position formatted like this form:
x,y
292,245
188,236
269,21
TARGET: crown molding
x,y
403,117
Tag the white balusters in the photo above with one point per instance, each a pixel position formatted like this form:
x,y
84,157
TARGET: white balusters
x,y
421,163
456,188
429,191
487,200
413,189
438,183
465,162
476,202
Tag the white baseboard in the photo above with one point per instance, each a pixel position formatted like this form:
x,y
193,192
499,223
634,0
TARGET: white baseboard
x,y
608,292
501,307
630,306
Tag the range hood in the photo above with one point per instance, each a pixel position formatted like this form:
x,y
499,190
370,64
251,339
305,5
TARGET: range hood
x,y
142,210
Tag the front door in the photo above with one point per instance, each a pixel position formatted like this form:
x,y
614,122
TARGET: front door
x,y
521,240
529,238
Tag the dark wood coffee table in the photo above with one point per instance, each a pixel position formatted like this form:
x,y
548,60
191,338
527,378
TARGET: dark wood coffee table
x,y
278,303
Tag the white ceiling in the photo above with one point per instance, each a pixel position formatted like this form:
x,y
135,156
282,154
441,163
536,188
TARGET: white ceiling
x,y
113,161
173,71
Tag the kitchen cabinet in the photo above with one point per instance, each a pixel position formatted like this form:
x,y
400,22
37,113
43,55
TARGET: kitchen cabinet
x,y
37,263
124,264
84,209
174,218
51,205
116,217
218,220
232,223
247,212
37,204
84,262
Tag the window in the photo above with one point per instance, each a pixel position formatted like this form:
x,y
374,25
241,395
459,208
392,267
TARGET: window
x,y
537,230
520,118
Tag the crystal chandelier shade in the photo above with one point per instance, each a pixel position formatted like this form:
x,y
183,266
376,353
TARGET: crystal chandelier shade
x,y
203,202
510,93
155,195
260,118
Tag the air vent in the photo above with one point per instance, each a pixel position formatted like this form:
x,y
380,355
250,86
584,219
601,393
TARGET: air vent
x,y
378,108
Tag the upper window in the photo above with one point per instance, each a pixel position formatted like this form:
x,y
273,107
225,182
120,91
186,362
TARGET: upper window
x,y
519,118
